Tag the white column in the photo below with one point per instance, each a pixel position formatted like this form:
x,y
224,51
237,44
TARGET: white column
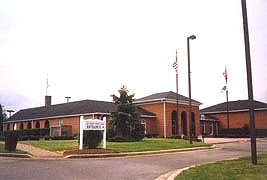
x,y
164,114
105,134
81,133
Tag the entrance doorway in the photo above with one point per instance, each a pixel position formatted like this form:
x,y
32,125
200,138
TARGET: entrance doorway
x,y
184,123
174,123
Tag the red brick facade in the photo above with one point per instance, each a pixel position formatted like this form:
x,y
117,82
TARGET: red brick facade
x,y
239,119
162,125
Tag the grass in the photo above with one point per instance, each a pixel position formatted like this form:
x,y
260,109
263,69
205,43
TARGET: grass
x,y
241,168
3,150
148,144
53,145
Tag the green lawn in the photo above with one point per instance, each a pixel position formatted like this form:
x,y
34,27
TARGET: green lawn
x,y
240,169
148,144
3,150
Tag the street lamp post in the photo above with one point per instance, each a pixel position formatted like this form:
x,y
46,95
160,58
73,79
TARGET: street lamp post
x,y
192,37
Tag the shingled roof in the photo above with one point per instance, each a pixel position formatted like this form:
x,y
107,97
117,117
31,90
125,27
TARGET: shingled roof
x,y
70,109
240,105
170,95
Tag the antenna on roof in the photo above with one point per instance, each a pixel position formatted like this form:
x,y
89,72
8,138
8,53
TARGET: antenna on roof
x,y
68,98
47,85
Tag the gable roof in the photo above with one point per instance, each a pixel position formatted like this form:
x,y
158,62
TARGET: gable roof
x,y
234,106
76,108
170,96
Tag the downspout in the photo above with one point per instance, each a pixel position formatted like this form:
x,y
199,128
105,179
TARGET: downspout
x,y
164,119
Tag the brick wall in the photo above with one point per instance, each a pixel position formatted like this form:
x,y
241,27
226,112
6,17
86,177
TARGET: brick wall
x,y
158,109
239,119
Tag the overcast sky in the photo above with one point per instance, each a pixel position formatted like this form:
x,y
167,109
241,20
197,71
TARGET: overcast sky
x,y
90,49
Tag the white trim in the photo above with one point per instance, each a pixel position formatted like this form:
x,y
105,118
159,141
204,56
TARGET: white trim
x,y
147,116
56,117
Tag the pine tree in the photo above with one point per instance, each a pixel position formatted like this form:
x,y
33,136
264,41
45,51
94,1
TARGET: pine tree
x,y
2,118
125,121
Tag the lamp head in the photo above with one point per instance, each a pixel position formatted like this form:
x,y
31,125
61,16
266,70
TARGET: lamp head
x,y
192,37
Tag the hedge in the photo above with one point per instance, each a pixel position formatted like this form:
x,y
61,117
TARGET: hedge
x,y
241,132
29,132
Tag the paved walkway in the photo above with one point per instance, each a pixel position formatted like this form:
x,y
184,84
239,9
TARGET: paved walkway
x,y
38,152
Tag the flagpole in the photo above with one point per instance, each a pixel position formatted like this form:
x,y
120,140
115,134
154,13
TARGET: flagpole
x,y
227,104
177,103
176,122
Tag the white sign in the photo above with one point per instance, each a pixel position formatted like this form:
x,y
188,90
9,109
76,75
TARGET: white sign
x,y
92,124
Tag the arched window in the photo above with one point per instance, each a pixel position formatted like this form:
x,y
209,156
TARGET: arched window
x,y
21,126
184,123
29,125
46,124
174,123
193,123
37,125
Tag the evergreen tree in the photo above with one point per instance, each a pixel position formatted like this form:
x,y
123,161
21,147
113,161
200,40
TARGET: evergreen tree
x,y
2,118
125,121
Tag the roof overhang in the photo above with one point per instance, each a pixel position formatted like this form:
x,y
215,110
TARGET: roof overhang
x,y
161,100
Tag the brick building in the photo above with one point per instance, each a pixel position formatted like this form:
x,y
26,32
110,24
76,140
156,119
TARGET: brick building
x,y
238,112
163,105
157,113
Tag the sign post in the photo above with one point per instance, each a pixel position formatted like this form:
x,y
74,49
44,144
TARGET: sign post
x,y
95,125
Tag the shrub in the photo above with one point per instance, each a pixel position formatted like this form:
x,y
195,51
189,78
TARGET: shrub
x,y
62,138
11,141
30,132
91,139
235,132
47,137
28,137
124,139
148,135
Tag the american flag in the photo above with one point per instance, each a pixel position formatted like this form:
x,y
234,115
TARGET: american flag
x,y
225,74
175,64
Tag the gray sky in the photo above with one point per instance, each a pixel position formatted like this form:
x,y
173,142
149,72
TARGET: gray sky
x,y
89,49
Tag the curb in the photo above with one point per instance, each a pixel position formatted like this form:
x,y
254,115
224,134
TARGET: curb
x,y
15,155
137,153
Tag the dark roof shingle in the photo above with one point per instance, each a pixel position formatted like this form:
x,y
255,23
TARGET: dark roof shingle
x,y
239,105
69,109
165,95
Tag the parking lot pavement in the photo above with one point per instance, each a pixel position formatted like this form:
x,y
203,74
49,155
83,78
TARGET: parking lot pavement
x,y
211,140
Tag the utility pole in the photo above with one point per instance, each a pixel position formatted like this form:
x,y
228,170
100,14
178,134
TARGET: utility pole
x,y
250,87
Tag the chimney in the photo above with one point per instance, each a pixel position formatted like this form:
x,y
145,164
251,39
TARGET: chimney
x,y
48,100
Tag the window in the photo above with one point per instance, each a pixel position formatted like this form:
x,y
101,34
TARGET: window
x,y
143,123
203,128
29,125
21,126
60,122
37,125
47,125
211,128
